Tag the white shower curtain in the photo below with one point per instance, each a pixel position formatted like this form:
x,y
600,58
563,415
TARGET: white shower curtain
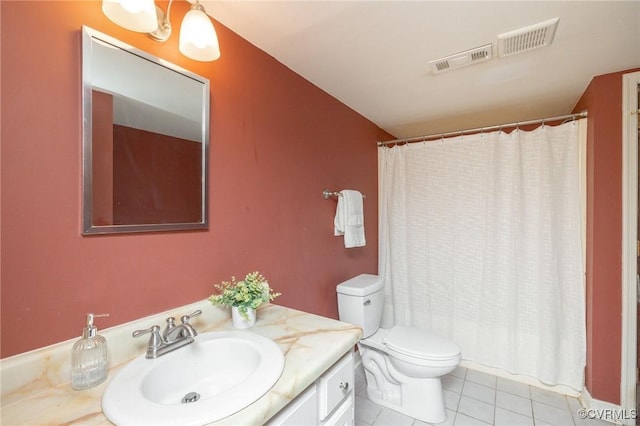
x,y
481,241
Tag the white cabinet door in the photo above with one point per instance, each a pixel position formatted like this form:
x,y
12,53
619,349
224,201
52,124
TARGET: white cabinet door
x,y
335,385
344,415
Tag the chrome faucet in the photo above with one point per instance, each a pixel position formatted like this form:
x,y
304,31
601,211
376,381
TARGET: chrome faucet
x,y
173,337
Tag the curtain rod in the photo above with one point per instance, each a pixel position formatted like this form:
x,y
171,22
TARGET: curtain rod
x,y
582,114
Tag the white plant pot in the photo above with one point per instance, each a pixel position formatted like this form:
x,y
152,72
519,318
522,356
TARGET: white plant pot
x,y
241,322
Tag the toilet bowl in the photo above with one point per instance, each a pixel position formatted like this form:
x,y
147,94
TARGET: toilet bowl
x,y
403,365
421,353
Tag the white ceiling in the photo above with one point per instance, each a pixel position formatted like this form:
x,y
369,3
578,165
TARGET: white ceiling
x,y
374,55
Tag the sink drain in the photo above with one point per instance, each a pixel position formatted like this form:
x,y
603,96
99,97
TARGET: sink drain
x,y
190,397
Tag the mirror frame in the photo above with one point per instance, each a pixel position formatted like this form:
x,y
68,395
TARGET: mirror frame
x,y
90,36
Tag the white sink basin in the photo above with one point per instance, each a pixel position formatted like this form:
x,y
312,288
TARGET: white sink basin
x,y
225,371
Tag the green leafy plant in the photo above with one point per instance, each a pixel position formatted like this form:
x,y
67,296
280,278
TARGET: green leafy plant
x,y
251,292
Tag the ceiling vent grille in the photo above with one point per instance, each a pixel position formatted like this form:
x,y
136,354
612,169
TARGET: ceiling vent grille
x,y
527,38
462,59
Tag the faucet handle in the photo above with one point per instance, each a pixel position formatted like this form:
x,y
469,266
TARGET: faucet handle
x,y
185,318
155,341
188,327
151,330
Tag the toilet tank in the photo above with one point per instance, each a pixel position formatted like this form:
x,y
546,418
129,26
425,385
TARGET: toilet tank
x,y
360,302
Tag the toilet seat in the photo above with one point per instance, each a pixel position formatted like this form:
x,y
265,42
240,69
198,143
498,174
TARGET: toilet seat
x,y
420,344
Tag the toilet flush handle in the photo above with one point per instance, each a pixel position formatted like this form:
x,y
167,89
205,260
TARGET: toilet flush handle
x,y
367,302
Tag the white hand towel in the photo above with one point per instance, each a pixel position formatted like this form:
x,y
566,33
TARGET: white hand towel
x,y
349,220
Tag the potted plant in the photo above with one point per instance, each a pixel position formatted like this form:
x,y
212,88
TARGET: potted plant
x,y
244,297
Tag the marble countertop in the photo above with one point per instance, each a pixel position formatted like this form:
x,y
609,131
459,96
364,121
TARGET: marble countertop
x,y
36,388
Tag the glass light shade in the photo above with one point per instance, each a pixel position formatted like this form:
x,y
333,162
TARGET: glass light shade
x,y
198,39
134,15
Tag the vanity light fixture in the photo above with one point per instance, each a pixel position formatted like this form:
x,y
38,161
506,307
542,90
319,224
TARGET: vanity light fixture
x,y
198,39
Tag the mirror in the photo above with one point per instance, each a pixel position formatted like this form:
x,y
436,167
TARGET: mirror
x,y
145,140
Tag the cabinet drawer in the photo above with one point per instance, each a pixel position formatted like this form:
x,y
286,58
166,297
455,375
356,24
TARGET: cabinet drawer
x,y
336,384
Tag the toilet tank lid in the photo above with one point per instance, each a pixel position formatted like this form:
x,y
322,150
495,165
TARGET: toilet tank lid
x,y
362,285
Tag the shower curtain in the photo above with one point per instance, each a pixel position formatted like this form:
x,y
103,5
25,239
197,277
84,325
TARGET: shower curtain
x,y
481,240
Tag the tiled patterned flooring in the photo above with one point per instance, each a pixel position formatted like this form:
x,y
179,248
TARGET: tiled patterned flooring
x,y
476,398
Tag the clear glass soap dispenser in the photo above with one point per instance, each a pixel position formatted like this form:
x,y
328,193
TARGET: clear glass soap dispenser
x,y
89,357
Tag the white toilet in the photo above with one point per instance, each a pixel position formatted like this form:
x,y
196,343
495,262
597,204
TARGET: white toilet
x,y
403,365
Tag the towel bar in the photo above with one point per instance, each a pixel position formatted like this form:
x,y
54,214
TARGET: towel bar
x,y
328,194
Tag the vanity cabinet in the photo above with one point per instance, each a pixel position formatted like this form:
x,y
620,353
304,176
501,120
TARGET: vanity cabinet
x,y
327,402
318,359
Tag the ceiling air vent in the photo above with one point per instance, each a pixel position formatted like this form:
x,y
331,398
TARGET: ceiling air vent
x,y
527,38
462,59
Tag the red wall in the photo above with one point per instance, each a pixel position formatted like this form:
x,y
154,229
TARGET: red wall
x,y
276,142
603,100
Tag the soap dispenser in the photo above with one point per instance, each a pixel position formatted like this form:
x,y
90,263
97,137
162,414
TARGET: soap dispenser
x,y
89,357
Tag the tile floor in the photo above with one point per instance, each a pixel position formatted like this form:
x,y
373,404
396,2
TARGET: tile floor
x,y
476,398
